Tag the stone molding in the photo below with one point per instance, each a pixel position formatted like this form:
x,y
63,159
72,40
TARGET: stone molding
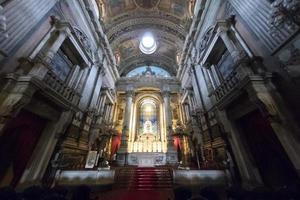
x,y
151,81
269,19
285,14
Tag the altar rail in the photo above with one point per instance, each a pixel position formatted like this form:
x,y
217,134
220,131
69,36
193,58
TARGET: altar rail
x,y
85,177
200,177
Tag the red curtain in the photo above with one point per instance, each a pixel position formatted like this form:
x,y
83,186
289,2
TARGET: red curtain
x,y
268,153
116,142
18,142
177,143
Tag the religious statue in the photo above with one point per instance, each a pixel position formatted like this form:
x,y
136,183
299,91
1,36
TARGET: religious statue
x,y
148,128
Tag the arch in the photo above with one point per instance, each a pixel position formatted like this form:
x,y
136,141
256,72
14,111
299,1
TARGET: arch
x,y
153,138
154,70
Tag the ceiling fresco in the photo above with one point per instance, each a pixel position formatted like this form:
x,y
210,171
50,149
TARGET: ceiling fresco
x,y
126,21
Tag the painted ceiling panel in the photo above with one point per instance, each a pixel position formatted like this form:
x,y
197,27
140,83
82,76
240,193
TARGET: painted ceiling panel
x,y
126,21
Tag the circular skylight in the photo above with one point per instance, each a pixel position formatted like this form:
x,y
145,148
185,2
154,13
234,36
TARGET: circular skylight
x,y
148,44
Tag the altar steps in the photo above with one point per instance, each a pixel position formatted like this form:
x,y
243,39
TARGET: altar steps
x,y
134,183
144,179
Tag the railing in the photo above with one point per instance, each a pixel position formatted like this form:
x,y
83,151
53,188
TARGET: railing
x,y
227,86
60,87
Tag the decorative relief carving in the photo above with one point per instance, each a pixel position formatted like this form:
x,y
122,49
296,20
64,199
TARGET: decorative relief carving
x,y
294,58
83,39
147,24
285,13
60,87
290,59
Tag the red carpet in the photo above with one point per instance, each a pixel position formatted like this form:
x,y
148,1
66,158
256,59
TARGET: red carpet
x,y
141,184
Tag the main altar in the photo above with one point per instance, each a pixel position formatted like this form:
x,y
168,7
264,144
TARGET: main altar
x,y
145,135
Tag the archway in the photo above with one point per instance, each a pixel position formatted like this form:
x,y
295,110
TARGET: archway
x,y
148,124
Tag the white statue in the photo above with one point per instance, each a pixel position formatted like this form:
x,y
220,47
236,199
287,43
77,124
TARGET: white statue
x,y
148,128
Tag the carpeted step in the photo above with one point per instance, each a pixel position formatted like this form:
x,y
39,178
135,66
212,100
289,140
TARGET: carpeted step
x,y
144,179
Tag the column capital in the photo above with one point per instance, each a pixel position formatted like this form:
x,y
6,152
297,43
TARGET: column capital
x,y
223,26
130,93
166,93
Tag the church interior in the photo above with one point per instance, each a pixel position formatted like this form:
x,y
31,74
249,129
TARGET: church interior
x,y
149,99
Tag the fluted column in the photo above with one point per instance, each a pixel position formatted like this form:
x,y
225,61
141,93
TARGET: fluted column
x,y
112,112
167,108
172,156
187,112
109,112
129,99
102,105
100,108
122,152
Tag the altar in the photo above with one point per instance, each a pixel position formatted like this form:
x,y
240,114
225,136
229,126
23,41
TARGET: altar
x,y
147,159
147,137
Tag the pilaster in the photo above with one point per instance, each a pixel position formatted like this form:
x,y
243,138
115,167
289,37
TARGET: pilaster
x,y
122,152
172,157
14,95
267,99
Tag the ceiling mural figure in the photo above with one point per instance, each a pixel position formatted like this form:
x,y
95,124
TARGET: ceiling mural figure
x,y
127,21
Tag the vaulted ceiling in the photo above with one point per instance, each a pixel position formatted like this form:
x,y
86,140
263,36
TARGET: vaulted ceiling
x,y
126,21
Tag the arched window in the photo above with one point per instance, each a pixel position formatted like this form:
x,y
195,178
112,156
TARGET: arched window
x,y
148,118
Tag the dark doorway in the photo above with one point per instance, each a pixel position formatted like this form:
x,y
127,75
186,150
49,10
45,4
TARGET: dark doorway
x,y
18,142
275,167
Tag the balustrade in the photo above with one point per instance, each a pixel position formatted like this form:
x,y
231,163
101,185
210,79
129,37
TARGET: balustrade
x,y
60,87
227,85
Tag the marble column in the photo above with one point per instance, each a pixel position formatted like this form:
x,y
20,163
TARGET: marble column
x,y
83,77
112,113
108,112
48,52
102,104
122,152
167,108
233,50
187,112
100,108
171,152
191,103
236,52
73,76
183,113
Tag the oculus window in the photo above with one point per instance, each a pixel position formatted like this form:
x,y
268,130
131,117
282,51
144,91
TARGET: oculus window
x,y
148,44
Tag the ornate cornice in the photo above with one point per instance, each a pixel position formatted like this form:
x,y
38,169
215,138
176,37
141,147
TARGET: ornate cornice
x,y
146,23
141,59
130,24
144,14
166,37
